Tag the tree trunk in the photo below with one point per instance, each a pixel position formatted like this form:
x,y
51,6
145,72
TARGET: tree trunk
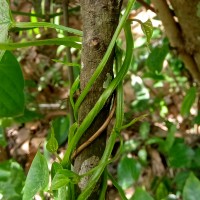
x,y
100,19
188,13
183,33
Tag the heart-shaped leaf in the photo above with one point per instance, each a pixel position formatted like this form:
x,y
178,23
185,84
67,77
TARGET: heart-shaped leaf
x,y
52,144
188,101
156,58
128,172
147,29
63,177
37,178
11,87
191,190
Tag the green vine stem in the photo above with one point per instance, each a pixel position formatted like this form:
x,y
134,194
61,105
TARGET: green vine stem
x,y
119,115
67,41
140,118
105,58
104,185
25,25
117,186
100,103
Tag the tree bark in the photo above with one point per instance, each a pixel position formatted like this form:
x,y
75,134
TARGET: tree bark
x,y
100,19
189,20
183,33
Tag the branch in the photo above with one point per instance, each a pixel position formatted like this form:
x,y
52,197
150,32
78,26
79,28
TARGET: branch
x,y
173,32
96,134
69,57
146,5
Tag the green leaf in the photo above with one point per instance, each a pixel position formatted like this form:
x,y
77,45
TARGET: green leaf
x,y
62,194
5,170
12,86
128,172
180,179
140,194
144,130
167,144
180,155
67,63
5,21
196,162
191,190
54,168
63,177
188,101
11,180
59,181
147,29
196,120
155,140
130,145
37,178
52,144
3,141
161,191
61,128
142,155
154,76
156,58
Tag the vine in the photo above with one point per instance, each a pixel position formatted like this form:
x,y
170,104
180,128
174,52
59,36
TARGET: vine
x,y
63,168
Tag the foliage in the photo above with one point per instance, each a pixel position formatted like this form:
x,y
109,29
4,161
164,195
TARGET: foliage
x,y
12,179
149,75
12,96
37,178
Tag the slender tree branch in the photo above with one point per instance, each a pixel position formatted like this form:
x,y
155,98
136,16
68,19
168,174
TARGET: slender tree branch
x,y
69,57
14,12
96,134
36,14
146,5
47,10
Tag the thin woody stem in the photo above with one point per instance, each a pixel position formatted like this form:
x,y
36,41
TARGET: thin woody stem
x,y
96,134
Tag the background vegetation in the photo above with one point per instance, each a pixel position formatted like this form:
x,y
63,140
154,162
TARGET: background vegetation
x,y
160,155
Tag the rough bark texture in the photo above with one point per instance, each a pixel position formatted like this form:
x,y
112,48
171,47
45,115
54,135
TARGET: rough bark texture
x,y
189,20
100,19
183,33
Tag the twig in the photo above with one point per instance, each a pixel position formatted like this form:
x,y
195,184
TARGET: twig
x,y
36,14
54,114
96,134
146,5
14,12
47,10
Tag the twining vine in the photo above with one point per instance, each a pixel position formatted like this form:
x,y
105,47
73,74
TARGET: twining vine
x,y
114,87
